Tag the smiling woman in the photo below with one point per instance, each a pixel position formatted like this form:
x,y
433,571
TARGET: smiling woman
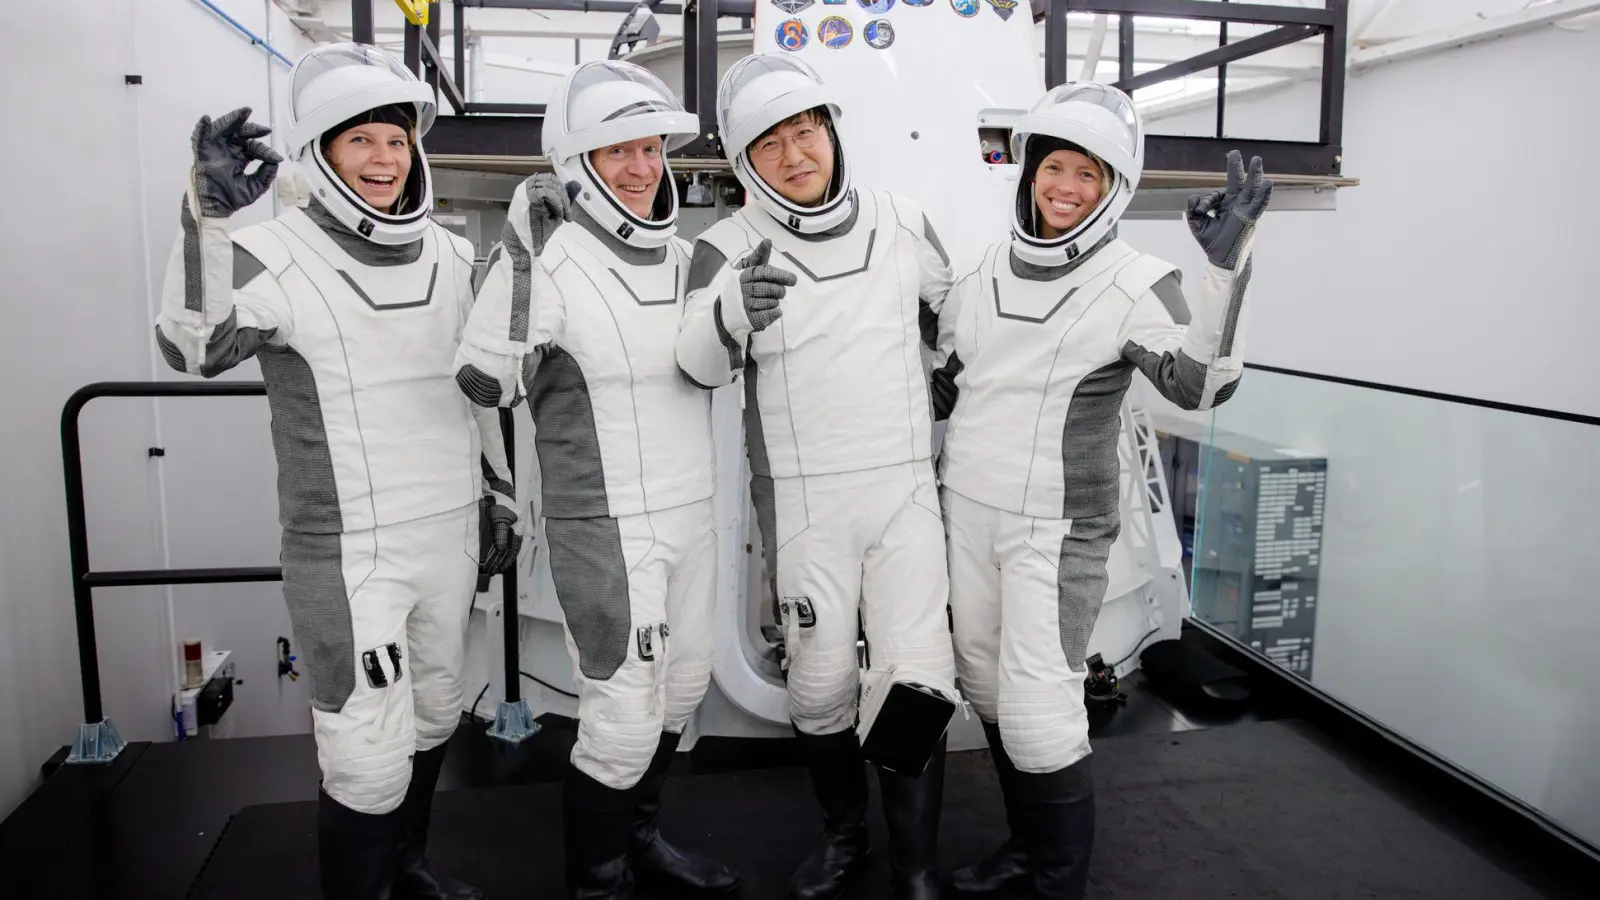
x,y
372,154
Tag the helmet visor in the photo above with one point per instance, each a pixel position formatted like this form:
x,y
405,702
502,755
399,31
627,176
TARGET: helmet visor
x,y
1105,111
601,94
338,56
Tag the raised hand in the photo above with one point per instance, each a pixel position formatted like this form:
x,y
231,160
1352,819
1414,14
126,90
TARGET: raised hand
x,y
223,150
549,204
762,285
1223,221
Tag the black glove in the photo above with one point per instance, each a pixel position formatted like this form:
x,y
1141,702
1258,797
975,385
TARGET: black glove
x,y
761,286
222,151
499,543
1222,221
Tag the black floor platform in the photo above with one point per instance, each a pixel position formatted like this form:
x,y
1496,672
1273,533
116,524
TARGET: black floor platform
x,y
1196,801
1269,810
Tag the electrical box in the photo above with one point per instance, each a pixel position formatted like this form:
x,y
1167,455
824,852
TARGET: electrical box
x,y
205,705
1251,516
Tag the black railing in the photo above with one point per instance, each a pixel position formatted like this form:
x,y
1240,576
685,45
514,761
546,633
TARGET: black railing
x,y
1294,24
85,580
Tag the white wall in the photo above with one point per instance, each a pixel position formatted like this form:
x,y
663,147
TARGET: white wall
x,y
1456,597
90,214
1464,263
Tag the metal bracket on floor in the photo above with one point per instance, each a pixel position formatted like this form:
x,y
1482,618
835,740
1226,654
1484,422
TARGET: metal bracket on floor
x,y
97,742
514,723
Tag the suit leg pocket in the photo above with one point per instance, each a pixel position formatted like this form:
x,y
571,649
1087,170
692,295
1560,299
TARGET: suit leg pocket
x,y
591,580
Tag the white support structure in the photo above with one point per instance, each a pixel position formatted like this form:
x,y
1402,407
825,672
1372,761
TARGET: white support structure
x,y
1523,20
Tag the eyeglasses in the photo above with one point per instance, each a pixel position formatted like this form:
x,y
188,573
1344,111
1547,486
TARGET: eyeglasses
x,y
770,148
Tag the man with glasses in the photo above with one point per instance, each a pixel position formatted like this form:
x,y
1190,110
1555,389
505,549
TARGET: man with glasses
x,y
815,293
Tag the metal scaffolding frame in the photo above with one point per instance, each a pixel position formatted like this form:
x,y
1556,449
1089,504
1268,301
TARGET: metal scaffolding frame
x,y
513,129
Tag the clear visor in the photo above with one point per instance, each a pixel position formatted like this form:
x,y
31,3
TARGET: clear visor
x,y
602,93
752,69
1098,106
333,57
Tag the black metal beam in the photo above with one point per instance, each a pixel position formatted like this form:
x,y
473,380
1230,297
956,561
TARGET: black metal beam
x,y
510,619
413,51
156,577
435,71
433,68
1222,77
700,75
459,37
1333,58
509,109
1261,43
1055,46
484,134
1208,10
1125,48
361,21
1179,153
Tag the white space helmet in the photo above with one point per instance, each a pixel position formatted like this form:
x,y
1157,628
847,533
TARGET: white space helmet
x,y
1097,118
328,86
611,102
758,92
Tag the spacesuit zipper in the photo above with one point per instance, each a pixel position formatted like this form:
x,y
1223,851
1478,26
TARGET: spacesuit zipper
x,y
791,634
659,689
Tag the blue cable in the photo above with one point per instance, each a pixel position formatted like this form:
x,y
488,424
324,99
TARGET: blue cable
x,y
246,32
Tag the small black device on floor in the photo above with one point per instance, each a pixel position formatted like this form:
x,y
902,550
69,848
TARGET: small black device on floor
x,y
901,730
1101,687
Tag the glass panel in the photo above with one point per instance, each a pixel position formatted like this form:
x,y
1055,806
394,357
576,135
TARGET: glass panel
x,y
1431,564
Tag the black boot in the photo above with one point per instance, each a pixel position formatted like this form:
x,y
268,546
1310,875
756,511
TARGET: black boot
x,y
839,778
652,855
1008,865
1057,817
911,806
355,851
415,878
597,821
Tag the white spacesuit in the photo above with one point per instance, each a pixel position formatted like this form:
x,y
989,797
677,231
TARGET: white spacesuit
x,y
584,327
1042,341
818,305
354,314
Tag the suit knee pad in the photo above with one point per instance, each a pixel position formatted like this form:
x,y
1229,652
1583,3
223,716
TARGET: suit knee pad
x,y
686,687
1043,731
437,715
615,746
372,779
822,689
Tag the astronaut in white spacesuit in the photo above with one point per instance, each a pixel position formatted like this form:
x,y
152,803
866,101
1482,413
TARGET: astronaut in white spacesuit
x,y
813,292
353,305
581,319
1042,340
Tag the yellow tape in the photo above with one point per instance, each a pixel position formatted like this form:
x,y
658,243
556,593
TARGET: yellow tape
x,y
415,11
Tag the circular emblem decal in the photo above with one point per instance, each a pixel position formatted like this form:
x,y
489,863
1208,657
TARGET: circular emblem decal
x,y
880,34
792,34
965,8
835,32
876,7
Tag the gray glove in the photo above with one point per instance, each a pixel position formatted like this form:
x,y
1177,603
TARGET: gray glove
x,y
222,151
1222,221
549,204
762,286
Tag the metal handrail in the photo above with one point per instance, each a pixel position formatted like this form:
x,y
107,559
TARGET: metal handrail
x,y
85,580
